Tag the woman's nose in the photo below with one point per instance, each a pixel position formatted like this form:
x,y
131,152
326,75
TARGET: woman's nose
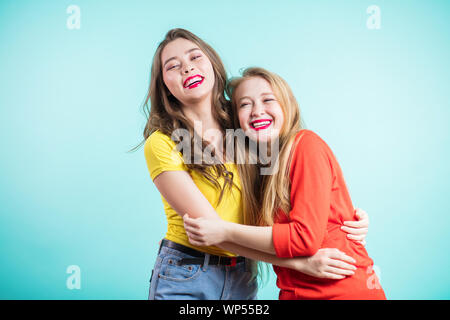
x,y
257,110
187,69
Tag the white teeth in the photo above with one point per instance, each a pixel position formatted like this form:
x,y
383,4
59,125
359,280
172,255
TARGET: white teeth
x,y
194,80
260,124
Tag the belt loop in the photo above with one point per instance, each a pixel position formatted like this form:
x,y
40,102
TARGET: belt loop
x,y
233,261
205,262
160,245
249,266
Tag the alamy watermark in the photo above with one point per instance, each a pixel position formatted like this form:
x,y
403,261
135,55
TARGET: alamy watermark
x,y
374,20
74,280
239,148
74,20
374,278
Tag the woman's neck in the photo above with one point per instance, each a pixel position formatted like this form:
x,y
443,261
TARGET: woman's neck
x,y
200,114
205,124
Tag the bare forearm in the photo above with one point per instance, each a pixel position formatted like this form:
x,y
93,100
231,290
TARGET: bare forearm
x,y
263,256
176,187
257,238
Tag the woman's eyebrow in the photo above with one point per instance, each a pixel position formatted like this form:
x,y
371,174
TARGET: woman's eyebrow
x,y
242,98
173,58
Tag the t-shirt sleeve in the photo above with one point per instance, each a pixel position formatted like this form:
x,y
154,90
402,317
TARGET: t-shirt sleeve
x,y
311,184
161,155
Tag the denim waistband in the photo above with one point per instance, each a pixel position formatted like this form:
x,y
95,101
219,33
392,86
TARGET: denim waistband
x,y
202,257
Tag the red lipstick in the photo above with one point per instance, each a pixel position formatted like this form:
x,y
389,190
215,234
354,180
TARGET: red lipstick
x,y
255,124
194,84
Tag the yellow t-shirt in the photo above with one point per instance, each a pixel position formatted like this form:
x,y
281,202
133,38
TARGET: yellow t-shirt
x,y
161,155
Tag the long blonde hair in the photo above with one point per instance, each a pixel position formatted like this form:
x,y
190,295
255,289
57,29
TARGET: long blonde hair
x,y
264,195
166,114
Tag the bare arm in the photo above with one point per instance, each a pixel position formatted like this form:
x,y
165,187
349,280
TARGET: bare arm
x,y
326,263
203,232
183,195
297,264
206,232
258,238
180,191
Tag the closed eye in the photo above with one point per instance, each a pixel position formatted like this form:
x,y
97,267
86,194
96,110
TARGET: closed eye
x,y
268,100
174,66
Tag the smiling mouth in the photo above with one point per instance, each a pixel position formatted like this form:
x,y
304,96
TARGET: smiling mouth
x,y
193,82
260,124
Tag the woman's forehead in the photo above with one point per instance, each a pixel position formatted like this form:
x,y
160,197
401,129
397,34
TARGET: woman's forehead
x,y
177,48
253,85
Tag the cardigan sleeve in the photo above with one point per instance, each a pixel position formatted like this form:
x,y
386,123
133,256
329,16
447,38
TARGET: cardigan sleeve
x,y
311,183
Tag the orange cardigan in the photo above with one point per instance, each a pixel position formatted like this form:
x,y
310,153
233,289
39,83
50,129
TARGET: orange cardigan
x,y
320,203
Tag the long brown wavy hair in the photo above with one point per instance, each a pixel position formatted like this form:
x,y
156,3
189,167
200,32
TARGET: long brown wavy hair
x,y
264,195
164,112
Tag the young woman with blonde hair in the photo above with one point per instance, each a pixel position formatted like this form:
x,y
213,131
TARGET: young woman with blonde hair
x,y
298,209
186,95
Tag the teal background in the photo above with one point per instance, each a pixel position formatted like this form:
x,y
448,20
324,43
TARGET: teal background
x,y
70,108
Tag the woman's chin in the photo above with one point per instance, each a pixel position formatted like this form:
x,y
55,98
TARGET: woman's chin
x,y
200,92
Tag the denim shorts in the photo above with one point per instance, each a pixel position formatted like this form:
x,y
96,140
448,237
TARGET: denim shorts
x,y
170,281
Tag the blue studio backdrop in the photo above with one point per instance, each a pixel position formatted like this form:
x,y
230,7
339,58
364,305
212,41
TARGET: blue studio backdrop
x,y
371,77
